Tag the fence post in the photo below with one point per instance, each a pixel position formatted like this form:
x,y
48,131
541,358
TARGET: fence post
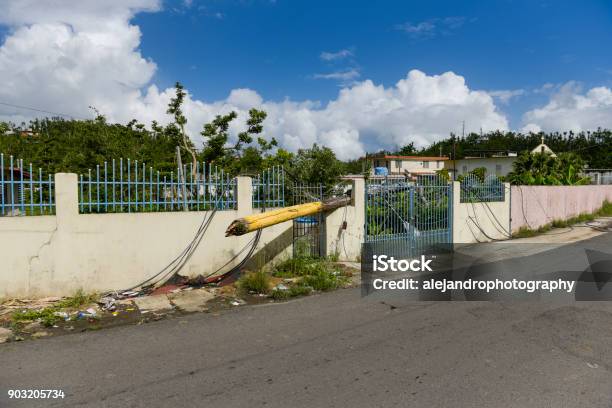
x,y
244,195
66,198
456,186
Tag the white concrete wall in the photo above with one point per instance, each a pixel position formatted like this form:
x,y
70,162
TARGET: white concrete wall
x,y
465,166
535,206
57,255
480,222
346,243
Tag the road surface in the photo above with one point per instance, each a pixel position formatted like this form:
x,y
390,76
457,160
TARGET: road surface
x,y
336,350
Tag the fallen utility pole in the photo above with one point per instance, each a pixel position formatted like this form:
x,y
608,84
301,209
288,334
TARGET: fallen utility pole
x,y
266,219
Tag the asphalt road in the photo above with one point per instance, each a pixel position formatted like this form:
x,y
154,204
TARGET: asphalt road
x,y
336,350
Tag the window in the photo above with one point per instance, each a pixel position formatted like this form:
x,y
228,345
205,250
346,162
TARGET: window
x,y
398,164
439,164
498,169
425,164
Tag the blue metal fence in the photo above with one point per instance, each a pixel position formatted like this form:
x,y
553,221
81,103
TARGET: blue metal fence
x,y
411,216
24,190
269,188
129,186
474,189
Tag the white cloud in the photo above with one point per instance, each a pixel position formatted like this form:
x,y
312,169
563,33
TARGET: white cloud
x,y
505,95
334,56
422,29
340,75
571,109
432,27
70,55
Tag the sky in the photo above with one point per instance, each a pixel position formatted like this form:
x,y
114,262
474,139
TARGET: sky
x,y
354,75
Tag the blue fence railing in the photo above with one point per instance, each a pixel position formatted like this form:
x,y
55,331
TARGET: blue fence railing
x,y
475,190
24,190
415,215
269,188
129,186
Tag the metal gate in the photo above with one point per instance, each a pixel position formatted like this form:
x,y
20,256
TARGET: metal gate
x,y
408,218
307,230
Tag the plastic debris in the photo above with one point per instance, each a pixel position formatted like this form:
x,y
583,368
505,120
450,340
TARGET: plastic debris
x,y
91,311
237,302
281,286
108,303
63,315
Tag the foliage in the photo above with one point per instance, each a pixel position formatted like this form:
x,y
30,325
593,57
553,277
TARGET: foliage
x,y
324,279
317,165
593,147
175,109
257,282
605,210
544,169
243,156
80,298
293,291
48,316
315,273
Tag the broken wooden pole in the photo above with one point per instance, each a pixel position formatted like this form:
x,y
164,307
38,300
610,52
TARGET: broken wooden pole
x,y
266,219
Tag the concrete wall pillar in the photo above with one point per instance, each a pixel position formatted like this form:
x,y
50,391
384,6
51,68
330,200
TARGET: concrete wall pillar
x,y
66,199
244,195
346,242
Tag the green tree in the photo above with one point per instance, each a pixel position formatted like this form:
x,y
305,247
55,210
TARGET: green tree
x,y
175,109
317,165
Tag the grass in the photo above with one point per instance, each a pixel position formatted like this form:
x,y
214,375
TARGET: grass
x,y
79,299
255,282
308,274
324,280
47,316
293,291
604,211
293,267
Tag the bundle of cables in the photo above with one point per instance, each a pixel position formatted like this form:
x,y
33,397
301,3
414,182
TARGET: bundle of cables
x,y
173,268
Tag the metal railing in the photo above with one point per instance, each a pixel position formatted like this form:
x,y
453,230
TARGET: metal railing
x,y
417,214
475,190
24,191
127,186
269,188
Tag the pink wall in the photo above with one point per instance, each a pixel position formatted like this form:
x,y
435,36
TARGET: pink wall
x,y
534,206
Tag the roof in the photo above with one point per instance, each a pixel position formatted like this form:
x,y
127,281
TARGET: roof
x,y
415,158
490,158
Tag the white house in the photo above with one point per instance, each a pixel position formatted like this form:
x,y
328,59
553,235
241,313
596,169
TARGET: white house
x,y
408,166
497,165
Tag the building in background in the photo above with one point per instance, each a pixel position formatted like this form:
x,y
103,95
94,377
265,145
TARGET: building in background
x,y
405,166
498,163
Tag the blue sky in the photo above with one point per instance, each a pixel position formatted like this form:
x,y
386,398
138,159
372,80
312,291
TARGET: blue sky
x,y
274,47
353,75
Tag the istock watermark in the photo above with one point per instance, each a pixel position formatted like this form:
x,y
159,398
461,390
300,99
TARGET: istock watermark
x,y
504,271
384,263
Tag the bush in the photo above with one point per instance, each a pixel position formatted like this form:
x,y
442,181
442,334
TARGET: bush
x,y
257,282
47,316
292,267
605,210
323,280
300,290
